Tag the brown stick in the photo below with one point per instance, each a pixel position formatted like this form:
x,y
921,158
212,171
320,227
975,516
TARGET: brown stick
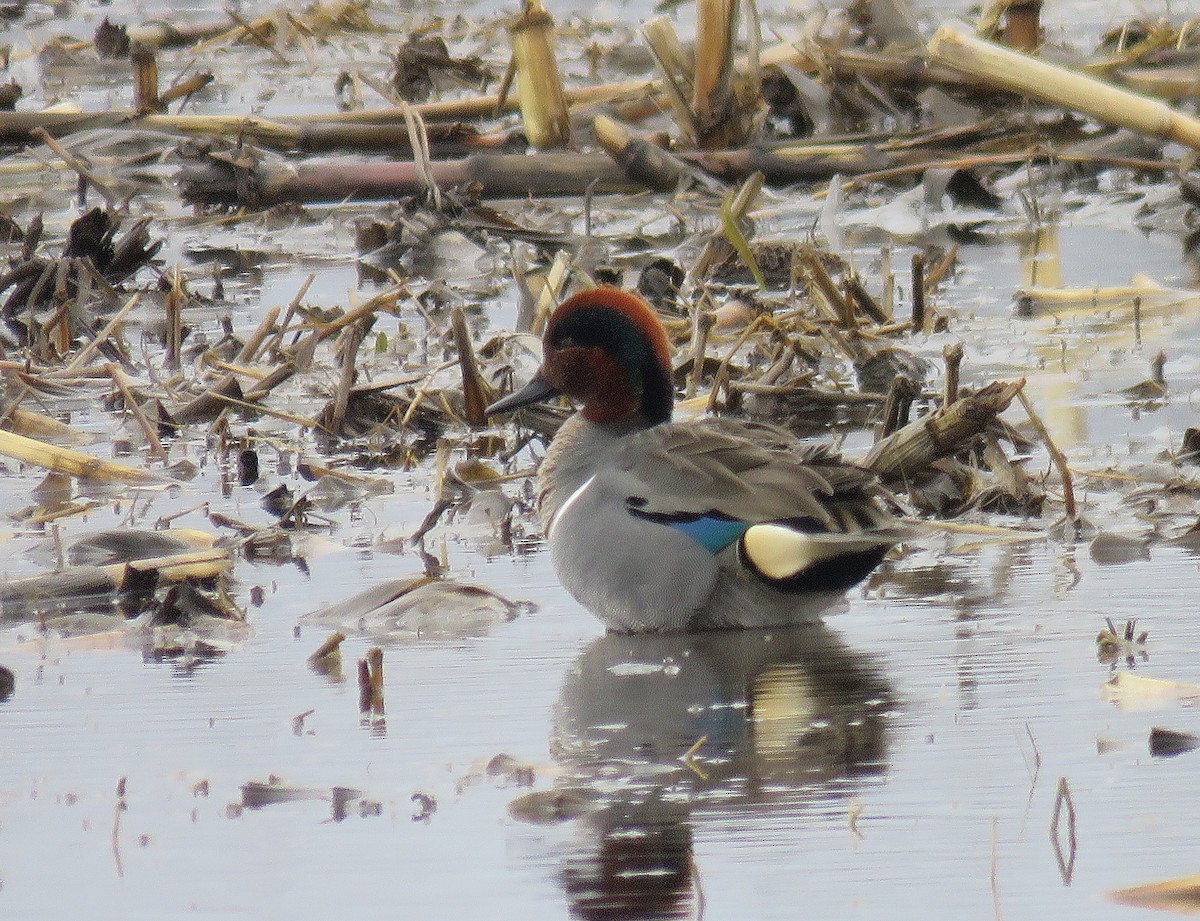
x,y
900,398
501,176
918,292
351,340
474,395
174,310
1059,459
643,162
953,354
151,433
73,162
145,79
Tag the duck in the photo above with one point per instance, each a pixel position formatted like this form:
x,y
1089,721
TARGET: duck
x,y
661,526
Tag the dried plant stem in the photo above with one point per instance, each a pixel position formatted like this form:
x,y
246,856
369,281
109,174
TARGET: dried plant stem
x,y
843,310
351,339
251,346
475,390
918,292
702,322
75,463
953,355
995,869
86,353
1021,73
145,78
717,120
540,88
913,448
899,402
73,162
643,162
676,65
131,404
1056,456
174,309
118,808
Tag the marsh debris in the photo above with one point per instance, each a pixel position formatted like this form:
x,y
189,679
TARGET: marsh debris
x,y
1128,645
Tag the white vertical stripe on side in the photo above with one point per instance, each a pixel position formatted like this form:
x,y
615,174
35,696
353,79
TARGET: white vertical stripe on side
x,y
571,499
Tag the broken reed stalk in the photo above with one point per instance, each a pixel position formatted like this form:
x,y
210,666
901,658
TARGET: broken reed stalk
x,y
1022,25
918,292
901,394
676,66
174,308
185,88
702,322
75,463
345,179
995,873
843,310
475,391
86,353
888,301
178,567
131,404
293,306
642,161
540,88
1056,456
936,274
953,355
331,645
118,808
79,581
34,425
364,687
1020,73
857,295
72,162
375,662
145,79
913,448
264,329
351,339
717,119
327,659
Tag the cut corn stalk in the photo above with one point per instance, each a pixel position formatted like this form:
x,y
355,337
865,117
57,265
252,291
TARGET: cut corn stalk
x,y
75,463
1020,73
540,88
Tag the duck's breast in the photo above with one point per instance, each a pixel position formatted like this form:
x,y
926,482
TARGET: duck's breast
x,y
634,574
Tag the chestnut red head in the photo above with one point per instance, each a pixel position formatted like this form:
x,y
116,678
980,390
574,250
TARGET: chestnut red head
x,y
606,349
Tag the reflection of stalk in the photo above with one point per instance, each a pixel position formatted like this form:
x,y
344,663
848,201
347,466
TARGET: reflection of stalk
x,y
116,829
1066,865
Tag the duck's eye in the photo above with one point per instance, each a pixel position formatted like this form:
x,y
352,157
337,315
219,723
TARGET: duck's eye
x,y
566,342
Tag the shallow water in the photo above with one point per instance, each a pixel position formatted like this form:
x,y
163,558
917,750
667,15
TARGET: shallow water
x,y
916,712
902,762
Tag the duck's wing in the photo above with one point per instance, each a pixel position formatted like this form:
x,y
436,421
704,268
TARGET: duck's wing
x,y
724,469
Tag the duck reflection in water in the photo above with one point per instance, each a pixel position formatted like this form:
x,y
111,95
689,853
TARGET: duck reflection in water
x,y
660,734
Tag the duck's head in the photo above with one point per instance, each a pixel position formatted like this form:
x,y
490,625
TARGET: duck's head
x,y
606,350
